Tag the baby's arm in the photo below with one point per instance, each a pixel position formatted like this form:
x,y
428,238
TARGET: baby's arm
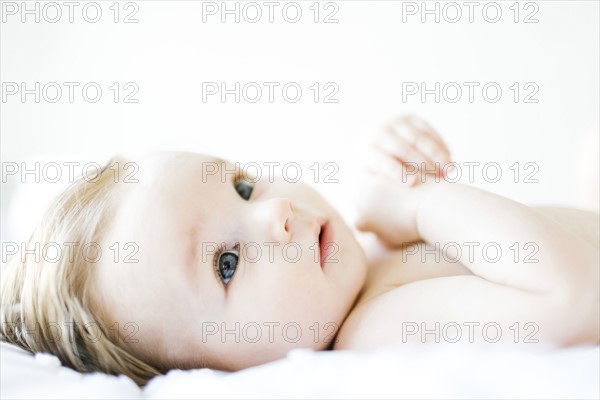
x,y
453,213
556,288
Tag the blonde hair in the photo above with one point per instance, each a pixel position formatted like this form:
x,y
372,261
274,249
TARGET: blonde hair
x,y
46,305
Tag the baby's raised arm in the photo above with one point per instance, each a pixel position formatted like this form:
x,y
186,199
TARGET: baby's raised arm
x,y
525,266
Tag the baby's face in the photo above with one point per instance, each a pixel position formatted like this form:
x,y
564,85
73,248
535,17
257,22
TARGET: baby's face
x,y
228,276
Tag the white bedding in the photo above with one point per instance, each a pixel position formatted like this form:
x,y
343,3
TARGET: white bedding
x,y
400,371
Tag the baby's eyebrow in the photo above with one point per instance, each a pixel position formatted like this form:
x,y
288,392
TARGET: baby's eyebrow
x,y
232,169
220,160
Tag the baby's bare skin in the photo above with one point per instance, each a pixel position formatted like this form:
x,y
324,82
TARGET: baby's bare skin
x,y
546,279
372,324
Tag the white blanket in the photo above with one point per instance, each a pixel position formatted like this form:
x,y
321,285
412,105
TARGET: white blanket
x,y
400,371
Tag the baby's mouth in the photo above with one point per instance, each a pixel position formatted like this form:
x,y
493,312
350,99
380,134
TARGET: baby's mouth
x,y
325,243
321,245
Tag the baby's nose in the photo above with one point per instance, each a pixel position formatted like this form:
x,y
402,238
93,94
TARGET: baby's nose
x,y
276,215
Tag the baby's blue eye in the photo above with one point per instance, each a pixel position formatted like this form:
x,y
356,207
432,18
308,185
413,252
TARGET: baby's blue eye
x,y
226,265
244,189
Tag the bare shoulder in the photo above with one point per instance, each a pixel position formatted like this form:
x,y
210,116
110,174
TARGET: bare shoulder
x,y
455,307
415,285
392,272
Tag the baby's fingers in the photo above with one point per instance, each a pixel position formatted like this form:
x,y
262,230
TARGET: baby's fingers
x,y
424,139
401,145
422,126
382,163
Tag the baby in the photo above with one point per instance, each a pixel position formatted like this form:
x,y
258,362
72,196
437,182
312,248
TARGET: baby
x,y
211,268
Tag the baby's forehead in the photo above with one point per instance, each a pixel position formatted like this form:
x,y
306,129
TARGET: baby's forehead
x,y
168,181
167,184
182,157
160,165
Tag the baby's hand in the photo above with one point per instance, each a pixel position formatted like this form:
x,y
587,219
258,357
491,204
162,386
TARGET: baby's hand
x,y
398,158
406,150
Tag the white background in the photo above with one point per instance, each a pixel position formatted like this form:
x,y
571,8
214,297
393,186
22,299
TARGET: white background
x,y
369,54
